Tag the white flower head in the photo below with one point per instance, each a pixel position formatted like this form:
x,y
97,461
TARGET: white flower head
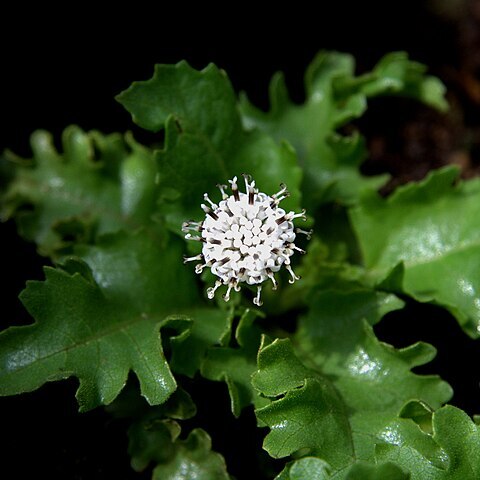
x,y
247,237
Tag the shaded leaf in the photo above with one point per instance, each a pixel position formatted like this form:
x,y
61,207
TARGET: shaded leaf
x,y
420,413
235,365
98,184
395,73
158,442
194,459
152,441
131,405
334,96
420,227
208,327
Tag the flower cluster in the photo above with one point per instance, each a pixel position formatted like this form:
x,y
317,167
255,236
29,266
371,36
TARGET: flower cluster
x,y
247,237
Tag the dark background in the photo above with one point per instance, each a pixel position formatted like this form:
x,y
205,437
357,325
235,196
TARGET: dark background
x,y
59,71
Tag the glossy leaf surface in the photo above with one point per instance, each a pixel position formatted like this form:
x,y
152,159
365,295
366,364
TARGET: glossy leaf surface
x,y
430,232
347,386
100,322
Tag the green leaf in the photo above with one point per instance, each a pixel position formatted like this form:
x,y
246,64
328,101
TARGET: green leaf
x,y
373,378
154,438
313,468
420,227
204,140
333,328
396,74
310,416
334,96
208,327
383,471
131,405
420,413
307,467
152,441
235,365
98,184
99,323
152,427
201,326
341,386
324,267
452,452
175,459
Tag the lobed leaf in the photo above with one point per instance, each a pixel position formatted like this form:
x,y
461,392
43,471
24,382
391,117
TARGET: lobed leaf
x,y
205,143
424,241
174,458
310,417
339,387
98,184
100,321
334,96
451,452
236,364
382,471
208,327
308,467
313,468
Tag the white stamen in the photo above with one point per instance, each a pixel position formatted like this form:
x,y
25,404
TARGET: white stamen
x,y
233,183
292,273
189,236
256,300
191,226
222,191
272,278
199,268
294,247
207,199
192,259
283,189
277,200
292,215
246,238
246,177
307,233
211,290
226,296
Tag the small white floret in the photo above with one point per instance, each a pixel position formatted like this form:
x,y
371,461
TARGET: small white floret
x,y
247,237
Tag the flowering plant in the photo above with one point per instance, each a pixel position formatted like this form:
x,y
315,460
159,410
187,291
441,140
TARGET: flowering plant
x,y
147,338
245,239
